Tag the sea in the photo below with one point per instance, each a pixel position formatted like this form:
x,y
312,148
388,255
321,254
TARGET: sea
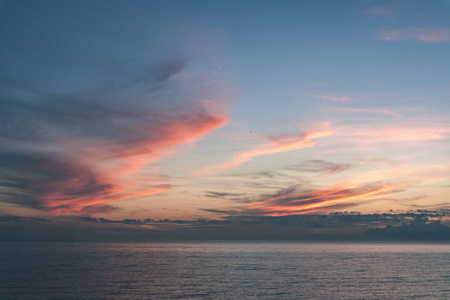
x,y
224,270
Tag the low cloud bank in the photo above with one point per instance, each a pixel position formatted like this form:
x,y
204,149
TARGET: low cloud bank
x,y
420,225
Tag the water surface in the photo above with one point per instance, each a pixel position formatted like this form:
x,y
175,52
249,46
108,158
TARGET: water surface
x,y
224,270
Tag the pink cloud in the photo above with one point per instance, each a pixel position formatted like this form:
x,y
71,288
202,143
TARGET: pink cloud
x,y
380,134
292,202
367,110
381,12
331,97
419,34
390,162
106,174
276,144
90,150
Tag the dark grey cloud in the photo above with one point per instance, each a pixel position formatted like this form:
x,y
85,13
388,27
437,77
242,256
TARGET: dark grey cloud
x,y
300,199
331,220
226,212
263,175
86,86
15,219
50,142
434,206
411,225
319,166
211,194
97,209
31,178
427,231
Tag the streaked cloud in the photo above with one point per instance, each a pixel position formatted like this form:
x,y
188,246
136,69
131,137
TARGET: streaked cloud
x,y
212,194
292,201
75,154
319,166
106,113
331,97
366,110
362,133
276,144
380,160
425,35
381,11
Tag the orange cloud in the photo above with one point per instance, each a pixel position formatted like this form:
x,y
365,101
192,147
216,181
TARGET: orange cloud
x,y
292,203
76,153
277,144
98,181
420,34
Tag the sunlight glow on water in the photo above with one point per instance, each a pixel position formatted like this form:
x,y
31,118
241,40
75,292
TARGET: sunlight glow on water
x,y
224,270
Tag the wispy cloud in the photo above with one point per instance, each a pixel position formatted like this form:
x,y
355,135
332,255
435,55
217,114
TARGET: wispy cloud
x,y
368,134
75,154
367,110
319,166
331,97
381,11
276,144
88,116
292,202
380,160
212,194
425,35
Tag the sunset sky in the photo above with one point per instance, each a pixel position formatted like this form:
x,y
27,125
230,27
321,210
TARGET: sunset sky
x,y
217,109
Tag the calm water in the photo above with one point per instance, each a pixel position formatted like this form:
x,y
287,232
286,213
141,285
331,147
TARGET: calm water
x,y
219,270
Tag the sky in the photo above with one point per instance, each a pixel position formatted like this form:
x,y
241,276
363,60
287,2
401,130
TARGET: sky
x,y
223,111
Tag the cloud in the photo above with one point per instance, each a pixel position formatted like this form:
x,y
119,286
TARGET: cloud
x,y
415,206
381,12
320,166
411,225
385,133
276,144
423,230
15,219
419,34
390,162
87,115
292,201
217,211
222,194
331,98
76,153
262,175
366,110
